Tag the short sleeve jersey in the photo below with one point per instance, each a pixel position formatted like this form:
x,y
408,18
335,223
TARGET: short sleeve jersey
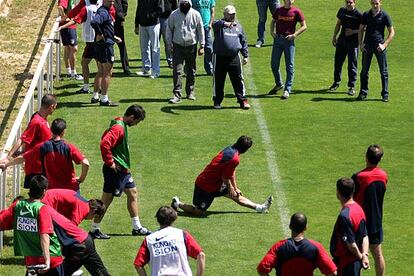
x,y
287,19
204,8
37,132
349,20
69,203
370,187
374,32
222,166
350,227
291,258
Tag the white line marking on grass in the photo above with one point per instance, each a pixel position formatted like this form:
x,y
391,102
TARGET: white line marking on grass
x,y
279,197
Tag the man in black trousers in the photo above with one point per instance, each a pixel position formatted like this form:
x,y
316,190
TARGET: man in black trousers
x,y
121,7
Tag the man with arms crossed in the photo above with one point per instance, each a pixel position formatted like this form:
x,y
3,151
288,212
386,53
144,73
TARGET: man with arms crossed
x,y
349,241
297,255
370,187
167,249
219,179
117,177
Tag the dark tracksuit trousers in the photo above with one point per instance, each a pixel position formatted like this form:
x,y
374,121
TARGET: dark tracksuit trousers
x,y
231,65
346,48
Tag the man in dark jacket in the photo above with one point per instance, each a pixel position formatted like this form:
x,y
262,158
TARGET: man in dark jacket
x,y
121,8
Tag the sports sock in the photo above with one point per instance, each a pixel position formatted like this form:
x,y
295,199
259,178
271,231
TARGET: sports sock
x,y
96,95
95,226
259,208
69,70
104,98
86,87
136,224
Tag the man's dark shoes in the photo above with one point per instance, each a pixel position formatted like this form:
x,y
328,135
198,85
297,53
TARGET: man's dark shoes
x,y
81,91
385,98
94,100
361,97
334,86
108,103
274,90
141,232
97,234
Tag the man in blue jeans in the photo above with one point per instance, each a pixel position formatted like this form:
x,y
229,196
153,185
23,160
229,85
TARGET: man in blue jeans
x,y
262,7
283,30
373,25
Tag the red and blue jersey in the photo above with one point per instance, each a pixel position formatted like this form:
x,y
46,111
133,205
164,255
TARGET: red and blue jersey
x,y
370,187
292,258
223,166
350,227
69,203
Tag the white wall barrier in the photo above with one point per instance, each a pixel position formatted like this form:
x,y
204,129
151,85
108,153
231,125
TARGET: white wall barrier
x,y
42,83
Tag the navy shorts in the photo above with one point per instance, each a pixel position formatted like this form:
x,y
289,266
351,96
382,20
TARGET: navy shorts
x,y
352,269
69,37
104,53
202,199
116,180
89,51
376,238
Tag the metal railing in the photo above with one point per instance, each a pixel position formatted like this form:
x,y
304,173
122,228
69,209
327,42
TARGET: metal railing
x,y
42,82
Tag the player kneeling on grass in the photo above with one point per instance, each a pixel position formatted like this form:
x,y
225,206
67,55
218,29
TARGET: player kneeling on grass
x,y
219,179
167,249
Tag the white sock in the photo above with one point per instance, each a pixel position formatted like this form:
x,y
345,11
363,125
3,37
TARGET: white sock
x,y
73,72
104,98
96,95
136,224
259,208
86,87
95,226
69,70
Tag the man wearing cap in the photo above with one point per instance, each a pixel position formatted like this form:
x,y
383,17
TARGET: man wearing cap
x,y
184,31
229,41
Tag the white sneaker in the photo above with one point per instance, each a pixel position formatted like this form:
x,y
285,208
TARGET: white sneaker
x,y
191,97
266,205
144,73
175,100
259,44
77,77
78,272
175,202
285,95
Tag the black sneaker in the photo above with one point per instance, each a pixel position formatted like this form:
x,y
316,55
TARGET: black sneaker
x,y
94,100
361,97
81,91
141,232
334,86
385,98
274,90
108,103
97,234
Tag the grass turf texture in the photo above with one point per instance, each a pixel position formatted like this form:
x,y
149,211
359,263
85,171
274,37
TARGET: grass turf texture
x,y
317,136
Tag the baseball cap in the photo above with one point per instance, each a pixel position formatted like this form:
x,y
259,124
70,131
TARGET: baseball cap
x,y
229,9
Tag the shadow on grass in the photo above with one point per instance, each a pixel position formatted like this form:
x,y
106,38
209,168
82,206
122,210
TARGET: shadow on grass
x,y
210,213
12,261
8,241
77,104
263,45
172,108
68,85
120,234
347,99
144,100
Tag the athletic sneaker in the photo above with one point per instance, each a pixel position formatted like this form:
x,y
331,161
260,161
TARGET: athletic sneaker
x,y
94,100
245,105
144,73
385,98
108,103
97,234
77,77
174,202
217,106
361,97
78,272
81,91
175,100
141,232
334,86
285,95
259,44
267,204
274,90
351,91
191,97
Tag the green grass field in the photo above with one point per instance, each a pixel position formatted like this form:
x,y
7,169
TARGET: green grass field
x,y
301,146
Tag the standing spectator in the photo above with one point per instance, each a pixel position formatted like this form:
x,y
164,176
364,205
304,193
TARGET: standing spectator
x,y
283,30
82,13
33,234
349,241
37,132
229,41
169,6
346,44
57,157
206,10
147,26
372,43
297,255
177,244
184,30
121,8
103,25
69,40
262,7
370,187
219,179
117,177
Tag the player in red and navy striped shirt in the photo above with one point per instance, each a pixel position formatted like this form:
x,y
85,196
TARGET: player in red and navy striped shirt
x,y
370,187
349,241
297,255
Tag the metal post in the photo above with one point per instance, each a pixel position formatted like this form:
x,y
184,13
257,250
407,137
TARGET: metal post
x,y
50,69
58,69
40,89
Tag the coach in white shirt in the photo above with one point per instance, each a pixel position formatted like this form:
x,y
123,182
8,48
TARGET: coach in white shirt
x,y
167,249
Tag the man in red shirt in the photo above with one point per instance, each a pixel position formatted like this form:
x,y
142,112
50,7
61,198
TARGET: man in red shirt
x,y
57,159
349,241
283,30
370,187
167,250
219,179
297,255
37,132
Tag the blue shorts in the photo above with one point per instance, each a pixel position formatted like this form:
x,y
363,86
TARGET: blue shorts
x,y
202,199
104,53
116,181
376,238
69,37
89,51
